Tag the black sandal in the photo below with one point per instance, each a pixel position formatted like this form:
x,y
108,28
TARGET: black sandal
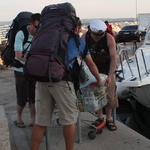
x,y
19,124
110,125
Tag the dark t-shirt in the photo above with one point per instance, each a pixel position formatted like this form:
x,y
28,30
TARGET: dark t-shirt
x,y
99,52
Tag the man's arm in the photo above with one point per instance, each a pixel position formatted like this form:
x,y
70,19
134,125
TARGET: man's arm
x,y
91,65
112,51
19,46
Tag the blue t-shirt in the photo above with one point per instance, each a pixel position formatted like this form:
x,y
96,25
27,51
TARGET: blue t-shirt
x,y
73,51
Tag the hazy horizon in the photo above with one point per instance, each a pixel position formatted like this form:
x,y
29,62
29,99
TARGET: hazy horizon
x,y
85,9
86,20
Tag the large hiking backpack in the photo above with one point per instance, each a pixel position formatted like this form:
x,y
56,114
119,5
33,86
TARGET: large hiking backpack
x,y
48,56
19,23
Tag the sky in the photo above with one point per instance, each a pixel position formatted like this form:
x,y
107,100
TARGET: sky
x,y
85,9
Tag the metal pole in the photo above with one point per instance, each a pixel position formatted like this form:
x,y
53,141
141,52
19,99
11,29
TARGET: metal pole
x,y
136,10
138,66
144,62
47,137
79,128
114,115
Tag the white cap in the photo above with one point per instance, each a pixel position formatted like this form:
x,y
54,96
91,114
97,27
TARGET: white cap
x,y
97,25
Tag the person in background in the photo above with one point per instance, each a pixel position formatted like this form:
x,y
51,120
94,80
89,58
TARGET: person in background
x,y
25,89
109,28
103,51
63,94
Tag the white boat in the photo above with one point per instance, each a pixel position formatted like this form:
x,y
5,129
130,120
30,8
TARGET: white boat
x,y
133,73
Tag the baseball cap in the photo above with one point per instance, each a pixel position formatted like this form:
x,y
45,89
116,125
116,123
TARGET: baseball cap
x,y
97,25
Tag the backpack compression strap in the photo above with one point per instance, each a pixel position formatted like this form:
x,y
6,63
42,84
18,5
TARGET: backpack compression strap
x,y
26,35
85,51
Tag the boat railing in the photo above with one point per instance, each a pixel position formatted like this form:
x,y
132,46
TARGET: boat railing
x,y
146,41
142,57
124,55
132,49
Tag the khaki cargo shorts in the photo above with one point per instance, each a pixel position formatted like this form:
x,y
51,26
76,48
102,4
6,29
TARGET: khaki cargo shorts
x,y
48,95
112,94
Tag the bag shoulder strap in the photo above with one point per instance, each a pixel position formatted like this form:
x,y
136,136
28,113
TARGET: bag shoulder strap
x,y
26,34
85,51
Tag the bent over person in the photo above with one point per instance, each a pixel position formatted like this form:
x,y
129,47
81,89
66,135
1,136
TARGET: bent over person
x,y
25,89
103,51
63,94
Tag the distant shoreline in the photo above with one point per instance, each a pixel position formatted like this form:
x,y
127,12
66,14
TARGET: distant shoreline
x,y
110,20
5,22
87,21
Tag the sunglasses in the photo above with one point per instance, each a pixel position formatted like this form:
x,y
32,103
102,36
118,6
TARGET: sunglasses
x,y
98,35
35,26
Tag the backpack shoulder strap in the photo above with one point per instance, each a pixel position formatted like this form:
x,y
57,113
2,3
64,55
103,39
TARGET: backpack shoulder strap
x,y
85,51
76,39
88,39
26,34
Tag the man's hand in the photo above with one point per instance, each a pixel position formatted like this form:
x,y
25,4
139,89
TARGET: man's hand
x,y
108,81
98,83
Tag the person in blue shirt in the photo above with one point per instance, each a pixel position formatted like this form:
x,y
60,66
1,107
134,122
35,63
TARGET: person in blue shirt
x,y
63,94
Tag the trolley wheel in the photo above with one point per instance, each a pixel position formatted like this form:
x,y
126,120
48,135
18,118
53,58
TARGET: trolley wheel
x,y
58,122
92,135
99,131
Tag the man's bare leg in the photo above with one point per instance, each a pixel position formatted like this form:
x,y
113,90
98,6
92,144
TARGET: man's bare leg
x,y
100,113
109,123
36,137
69,132
19,113
108,113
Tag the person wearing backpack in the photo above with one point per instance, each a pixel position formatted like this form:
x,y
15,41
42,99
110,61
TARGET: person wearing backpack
x,y
25,89
19,23
103,51
63,94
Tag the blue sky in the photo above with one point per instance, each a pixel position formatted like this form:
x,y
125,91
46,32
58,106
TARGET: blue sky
x,y
84,8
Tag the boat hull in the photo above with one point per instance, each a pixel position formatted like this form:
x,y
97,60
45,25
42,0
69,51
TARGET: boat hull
x,y
141,94
133,78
